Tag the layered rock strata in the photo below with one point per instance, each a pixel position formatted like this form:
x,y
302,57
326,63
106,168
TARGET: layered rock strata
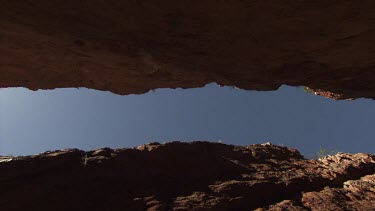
x,y
187,176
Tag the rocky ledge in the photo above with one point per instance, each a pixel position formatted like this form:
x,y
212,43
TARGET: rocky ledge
x,y
187,176
131,47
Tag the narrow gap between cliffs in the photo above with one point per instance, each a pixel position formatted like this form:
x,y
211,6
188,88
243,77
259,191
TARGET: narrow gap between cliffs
x,y
36,121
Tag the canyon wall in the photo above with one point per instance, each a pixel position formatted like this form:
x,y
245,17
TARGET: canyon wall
x,y
187,176
131,47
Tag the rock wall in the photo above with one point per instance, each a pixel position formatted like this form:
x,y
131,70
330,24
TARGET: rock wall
x,y
131,47
134,46
187,176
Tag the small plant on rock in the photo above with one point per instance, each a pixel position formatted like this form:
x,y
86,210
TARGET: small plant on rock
x,y
325,152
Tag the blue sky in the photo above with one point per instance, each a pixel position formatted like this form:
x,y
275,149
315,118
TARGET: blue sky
x,y
32,122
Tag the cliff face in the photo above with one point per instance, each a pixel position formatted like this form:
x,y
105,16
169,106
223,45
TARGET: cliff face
x,y
134,46
131,47
187,176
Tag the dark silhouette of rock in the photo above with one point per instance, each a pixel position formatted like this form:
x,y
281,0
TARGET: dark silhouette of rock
x,y
131,47
187,176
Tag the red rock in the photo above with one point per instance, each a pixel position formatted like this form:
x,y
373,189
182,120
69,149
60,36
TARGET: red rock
x,y
130,47
187,176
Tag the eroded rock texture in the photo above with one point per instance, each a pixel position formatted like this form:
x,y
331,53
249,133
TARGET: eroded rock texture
x,y
133,46
187,176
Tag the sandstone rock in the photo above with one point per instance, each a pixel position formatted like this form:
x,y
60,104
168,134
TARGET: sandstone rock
x,y
131,47
187,176
355,195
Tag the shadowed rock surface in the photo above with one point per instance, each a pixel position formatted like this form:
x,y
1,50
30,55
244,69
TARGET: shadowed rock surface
x,y
131,47
187,176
